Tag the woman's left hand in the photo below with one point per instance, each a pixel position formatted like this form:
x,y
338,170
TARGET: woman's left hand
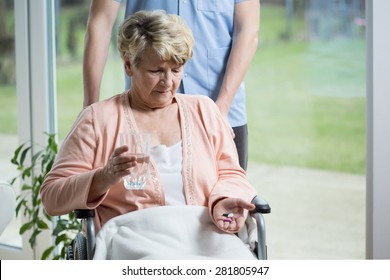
x,y
230,214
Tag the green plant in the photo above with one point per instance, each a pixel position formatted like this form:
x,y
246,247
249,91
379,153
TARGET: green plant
x,y
29,203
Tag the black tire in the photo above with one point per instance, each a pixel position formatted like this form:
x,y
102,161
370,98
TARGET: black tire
x,y
80,247
70,252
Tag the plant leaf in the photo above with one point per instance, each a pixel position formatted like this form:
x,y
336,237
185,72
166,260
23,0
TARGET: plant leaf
x,y
42,225
14,160
25,227
61,238
47,252
26,187
23,155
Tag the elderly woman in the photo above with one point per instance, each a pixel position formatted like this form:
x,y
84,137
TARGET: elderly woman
x,y
90,165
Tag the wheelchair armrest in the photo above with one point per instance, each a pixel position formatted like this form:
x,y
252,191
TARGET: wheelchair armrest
x,y
84,213
261,206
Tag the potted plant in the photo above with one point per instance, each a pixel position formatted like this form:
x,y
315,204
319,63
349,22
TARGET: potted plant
x,y
29,204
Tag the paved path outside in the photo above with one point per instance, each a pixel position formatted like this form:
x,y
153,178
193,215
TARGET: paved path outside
x,y
315,214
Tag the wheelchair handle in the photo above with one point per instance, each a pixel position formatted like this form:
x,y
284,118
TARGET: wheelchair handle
x,y
84,213
261,206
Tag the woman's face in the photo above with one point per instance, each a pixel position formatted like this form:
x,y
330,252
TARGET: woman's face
x,y
154,81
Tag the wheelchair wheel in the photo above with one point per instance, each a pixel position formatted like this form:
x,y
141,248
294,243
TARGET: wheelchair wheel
x,y
69,252
80,247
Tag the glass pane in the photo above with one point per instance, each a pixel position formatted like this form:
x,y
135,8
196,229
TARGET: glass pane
x,y
306,106
8,112
70,30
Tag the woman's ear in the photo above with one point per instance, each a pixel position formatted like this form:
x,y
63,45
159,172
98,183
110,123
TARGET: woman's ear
x,y
128,67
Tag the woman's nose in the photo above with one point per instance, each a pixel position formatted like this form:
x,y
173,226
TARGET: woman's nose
x,y
167,79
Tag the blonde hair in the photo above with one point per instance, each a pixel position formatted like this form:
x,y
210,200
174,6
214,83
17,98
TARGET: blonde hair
x,y
166,34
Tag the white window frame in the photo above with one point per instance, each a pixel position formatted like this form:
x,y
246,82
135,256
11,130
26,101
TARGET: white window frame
x,y
378,130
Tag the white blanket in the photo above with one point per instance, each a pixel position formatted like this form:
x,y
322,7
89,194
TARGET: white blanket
x,y
167,232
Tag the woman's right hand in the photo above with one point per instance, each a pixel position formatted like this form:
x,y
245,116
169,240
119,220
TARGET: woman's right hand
x,y
118,166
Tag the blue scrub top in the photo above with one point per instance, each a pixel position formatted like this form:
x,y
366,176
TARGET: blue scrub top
x,y
211,22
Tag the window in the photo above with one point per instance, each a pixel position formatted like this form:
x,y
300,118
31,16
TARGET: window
x,y
306,106
8,112
71,19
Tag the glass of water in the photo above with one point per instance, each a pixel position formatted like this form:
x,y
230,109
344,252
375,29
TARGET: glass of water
x,y
139,146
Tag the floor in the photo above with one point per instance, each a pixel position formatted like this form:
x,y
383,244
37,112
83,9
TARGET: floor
x,y
315,214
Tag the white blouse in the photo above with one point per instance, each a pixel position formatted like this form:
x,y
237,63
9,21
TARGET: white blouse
x,y
169,161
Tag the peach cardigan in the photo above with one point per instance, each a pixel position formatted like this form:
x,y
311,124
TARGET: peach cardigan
x,y
210,164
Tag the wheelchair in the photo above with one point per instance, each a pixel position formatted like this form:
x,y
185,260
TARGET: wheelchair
x,y
83,246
